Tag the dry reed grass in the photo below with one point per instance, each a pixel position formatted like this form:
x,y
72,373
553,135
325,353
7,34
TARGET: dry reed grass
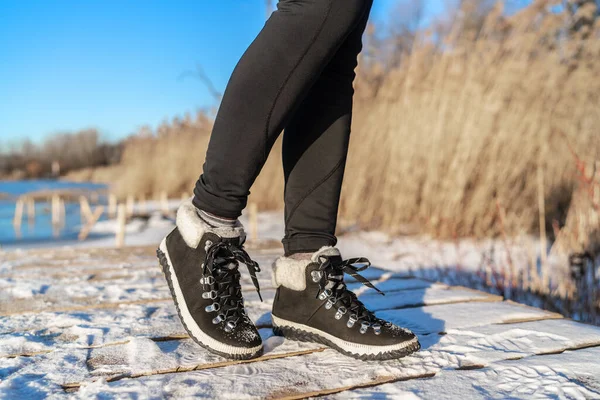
x,y
462,124
451,132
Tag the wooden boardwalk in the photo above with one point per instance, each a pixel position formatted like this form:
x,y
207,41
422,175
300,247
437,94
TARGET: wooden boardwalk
x,y
79,322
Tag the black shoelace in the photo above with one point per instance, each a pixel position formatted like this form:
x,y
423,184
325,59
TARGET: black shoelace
x,y
332,287
221,264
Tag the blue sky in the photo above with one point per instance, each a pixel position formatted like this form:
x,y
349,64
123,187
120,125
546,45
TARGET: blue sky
x,y
116,64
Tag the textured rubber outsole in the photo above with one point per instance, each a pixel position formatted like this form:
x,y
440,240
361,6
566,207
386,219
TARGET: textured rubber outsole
x,y
303,336
164,264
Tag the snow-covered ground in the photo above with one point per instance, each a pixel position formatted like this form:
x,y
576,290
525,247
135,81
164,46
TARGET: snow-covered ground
x,y
91,321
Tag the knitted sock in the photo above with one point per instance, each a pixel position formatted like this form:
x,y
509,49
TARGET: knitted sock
x,y
301,256
215,221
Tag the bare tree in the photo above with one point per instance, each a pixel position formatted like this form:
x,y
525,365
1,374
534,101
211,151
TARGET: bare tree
x,y
201,75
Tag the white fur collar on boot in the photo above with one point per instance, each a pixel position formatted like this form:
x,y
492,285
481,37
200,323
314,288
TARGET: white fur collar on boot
x,y
192,227
290,273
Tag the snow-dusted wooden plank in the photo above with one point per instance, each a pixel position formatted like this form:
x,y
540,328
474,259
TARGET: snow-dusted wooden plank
x,y
574,374
275,378
458,348
142,356
29,266
101,326
428,296
474,346
42,376
125,346
329,372
441,318
61,257
299,377
58,305
93,328
75,274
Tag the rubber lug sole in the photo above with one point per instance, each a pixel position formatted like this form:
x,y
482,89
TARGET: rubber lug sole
x,y
303,336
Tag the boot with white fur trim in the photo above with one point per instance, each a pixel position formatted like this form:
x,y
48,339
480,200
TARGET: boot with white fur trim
x,y
201,263
312,303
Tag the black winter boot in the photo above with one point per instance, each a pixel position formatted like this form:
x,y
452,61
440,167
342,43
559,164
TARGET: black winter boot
x,y
201,263
312,303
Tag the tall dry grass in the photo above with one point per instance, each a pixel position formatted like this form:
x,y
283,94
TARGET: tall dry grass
x,y
465,125
459,127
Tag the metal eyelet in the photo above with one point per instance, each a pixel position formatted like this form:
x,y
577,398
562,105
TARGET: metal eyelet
x,y
212,307
207,280
219,318
377,329
316,275
329,304
352,320
325,294
340,312
364,326
229,326
209,295
207,245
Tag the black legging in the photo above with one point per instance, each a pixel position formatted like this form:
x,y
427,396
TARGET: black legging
x,y
297,75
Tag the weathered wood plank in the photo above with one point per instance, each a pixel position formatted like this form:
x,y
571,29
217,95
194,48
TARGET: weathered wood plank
x,y
440,318
574,374
309,375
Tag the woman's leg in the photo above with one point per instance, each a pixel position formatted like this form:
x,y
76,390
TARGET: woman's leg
x,y
312,301
272,78
315,146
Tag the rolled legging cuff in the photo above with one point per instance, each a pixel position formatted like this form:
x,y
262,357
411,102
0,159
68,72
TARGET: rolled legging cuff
x,y
306,244
206,202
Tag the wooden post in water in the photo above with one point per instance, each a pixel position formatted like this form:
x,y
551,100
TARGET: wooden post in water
x,y
55,209
112,205
120,233
62,216
18,219
93,218
84,209
253,221
30,210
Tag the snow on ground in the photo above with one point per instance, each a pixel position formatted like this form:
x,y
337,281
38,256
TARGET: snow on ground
x,y
571,375
97,322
